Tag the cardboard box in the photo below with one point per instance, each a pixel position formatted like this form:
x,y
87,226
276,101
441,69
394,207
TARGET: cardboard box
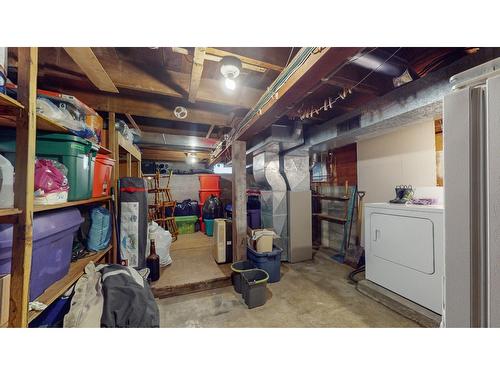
x,y
95,122
261,240
4,299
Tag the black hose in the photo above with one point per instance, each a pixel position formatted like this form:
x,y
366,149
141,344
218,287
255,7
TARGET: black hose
x,y
355,272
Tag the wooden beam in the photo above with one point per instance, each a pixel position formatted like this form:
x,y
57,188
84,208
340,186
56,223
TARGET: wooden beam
x,y
246,60
239,201
133,123
303,81
115,175
147,108
167,83
22,244
90,65
169,155
216,58
210,131
348,83
196,72
129,165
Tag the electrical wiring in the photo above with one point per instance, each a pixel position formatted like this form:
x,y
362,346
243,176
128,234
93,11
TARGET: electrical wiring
x,y
290,69
289,56
345,92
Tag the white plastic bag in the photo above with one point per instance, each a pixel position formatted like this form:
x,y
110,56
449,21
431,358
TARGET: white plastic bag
x,y
163,241
6,183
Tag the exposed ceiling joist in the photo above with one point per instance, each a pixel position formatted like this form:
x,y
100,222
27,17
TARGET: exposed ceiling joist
x,y
147,108
196,72
90,65
168,155
348,83
177,142
245,60
167,83
210,131
302,82
247,63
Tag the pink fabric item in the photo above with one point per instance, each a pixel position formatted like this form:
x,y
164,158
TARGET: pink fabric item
x,y
48,178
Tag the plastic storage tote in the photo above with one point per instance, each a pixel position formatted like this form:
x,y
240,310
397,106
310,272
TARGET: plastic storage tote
x,y
185,224
77,155
53,234
237,269
209,181
205,194
254,287
209,227
103,167
269,262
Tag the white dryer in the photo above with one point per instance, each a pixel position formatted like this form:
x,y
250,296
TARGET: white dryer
x,y
404,251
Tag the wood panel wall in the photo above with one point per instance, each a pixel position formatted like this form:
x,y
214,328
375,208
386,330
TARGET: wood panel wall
x,y
345,165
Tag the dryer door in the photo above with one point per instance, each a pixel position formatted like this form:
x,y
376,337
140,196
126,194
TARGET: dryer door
x,y
407,241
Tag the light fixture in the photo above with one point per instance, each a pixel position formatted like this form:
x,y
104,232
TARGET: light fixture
x,y
180,112
230,83
230,67
191,158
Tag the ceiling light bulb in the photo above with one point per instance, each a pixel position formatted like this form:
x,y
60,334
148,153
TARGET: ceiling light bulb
x,y
191,158
230,83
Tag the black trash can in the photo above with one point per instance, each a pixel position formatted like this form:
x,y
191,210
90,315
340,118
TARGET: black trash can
x,y
238,268
254,287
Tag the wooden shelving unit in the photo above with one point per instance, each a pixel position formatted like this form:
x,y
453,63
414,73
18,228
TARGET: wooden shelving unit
x,y
21,115
128,147
9,215
49,207
7,102
76,270
9,212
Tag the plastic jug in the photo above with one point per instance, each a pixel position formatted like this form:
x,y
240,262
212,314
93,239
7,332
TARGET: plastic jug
x,y
6,183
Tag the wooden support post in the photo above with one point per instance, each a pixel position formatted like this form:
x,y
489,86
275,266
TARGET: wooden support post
x,y
24,187
129,165
238,154
113,147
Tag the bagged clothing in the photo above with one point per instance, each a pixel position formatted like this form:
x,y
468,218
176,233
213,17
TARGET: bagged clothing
x,y
212,208
128,300
100,229
163,241
187,207
112,296
51,183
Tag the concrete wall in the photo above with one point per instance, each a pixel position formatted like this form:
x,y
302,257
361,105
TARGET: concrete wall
x,y
406,156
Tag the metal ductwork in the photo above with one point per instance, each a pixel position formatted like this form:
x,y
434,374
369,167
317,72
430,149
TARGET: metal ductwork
x,y
296,170
176,142
274,210
285,188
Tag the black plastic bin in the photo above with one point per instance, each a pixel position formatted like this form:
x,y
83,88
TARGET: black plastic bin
x,y
238,268
254,287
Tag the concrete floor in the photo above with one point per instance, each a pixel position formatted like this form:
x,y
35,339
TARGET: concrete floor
x,y
310,294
